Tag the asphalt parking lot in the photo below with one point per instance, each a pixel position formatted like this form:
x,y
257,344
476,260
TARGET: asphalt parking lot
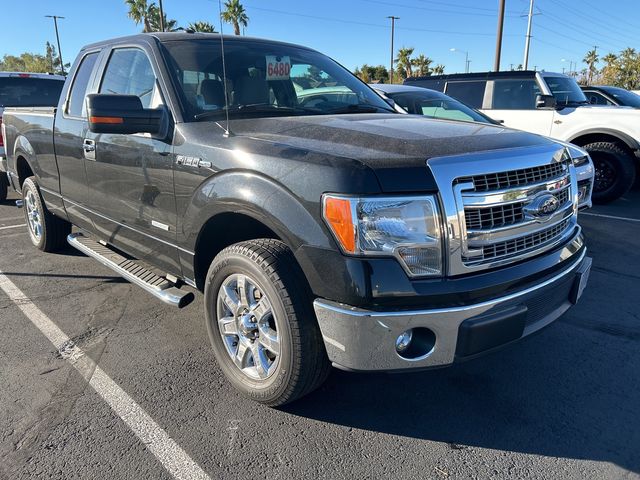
x,y
562,404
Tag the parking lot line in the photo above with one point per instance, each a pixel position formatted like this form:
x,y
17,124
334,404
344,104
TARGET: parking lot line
x,y
612,217
13,226
165,449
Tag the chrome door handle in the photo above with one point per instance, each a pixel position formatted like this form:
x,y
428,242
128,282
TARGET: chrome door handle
x,y
89,147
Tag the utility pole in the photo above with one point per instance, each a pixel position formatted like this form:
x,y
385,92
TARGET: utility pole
x,y
393,27
161,16
496,65
528,41
55,23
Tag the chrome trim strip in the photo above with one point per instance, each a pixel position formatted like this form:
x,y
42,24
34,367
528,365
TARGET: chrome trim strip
x,y
127,226
51,192
171,295
516,195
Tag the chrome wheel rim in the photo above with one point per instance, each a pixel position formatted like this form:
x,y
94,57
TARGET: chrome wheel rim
x,y
33,216
248,326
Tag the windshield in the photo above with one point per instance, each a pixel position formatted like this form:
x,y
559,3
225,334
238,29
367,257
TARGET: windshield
x,y
263,79
444,108
29,92
624,97
565,90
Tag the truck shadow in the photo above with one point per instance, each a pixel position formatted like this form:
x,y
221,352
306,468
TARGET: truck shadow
x,y
552,395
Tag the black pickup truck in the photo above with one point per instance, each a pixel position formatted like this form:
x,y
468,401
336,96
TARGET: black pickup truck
x,y
323,228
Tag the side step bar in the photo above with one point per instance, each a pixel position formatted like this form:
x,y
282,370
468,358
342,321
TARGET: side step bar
x,y
157,286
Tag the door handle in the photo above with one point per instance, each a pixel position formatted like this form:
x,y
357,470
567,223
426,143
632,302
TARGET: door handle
x,y
89,147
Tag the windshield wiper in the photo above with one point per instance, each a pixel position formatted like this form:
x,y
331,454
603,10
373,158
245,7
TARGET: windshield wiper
x,y
358,108
257,108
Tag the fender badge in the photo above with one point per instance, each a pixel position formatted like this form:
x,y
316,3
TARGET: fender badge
x,y
192,161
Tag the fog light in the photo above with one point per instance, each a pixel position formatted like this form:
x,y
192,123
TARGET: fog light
x,y
404,340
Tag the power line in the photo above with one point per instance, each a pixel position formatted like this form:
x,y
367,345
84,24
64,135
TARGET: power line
x,y
428,9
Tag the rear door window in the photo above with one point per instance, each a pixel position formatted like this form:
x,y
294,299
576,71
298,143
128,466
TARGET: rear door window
x,y
470,93
515,94
29,92
76,107
596,98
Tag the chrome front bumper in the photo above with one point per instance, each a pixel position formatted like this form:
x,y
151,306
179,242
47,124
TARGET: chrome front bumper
x,y
357,339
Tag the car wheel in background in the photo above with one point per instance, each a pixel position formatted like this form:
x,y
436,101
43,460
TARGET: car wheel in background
x,y
615,171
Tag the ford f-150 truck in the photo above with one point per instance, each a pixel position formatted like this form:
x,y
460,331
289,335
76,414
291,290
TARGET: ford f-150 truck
x,y
553,104
322,230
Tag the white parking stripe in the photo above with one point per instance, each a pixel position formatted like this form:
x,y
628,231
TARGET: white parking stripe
x,y
13,226
166,450
612,217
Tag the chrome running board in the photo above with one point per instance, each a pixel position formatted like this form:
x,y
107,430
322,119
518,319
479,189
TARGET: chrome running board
x,y
157,286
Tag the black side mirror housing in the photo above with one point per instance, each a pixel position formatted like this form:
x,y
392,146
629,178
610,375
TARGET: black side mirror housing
x,y
546,101
122,114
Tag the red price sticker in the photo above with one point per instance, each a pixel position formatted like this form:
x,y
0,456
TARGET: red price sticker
x,y
278,68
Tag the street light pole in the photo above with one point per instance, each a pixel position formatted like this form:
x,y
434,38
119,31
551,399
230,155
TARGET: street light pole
x,y
528,41
466,58
55,23
496,64
393,26
161,16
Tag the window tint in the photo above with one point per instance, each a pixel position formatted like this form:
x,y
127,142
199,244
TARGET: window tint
x,y
470,93
445,108
595,98
129,72
76,107
30,92
515,94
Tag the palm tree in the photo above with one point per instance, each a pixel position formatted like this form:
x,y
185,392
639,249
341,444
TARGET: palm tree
x,y
203,27
140,12
422,64
438,69
591,58
235,15
404,61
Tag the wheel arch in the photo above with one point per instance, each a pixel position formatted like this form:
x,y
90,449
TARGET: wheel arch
x,y
625,141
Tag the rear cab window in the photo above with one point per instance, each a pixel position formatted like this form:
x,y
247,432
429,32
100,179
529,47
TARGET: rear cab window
x,y
76,106
468,92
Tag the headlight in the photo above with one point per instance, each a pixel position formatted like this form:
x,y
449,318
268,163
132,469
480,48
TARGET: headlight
x,y
405,227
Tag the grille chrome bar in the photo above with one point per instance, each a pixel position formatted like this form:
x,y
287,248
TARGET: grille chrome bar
x,y
490,219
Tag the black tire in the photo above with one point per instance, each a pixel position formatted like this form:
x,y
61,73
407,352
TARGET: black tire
x,y
4,186
53,231
615,171
302,362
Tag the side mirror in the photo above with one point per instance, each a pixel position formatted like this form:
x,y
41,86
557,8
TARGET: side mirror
x,y
121,114
546,101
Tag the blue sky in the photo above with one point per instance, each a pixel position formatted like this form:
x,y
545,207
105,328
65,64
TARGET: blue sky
x,y
356,31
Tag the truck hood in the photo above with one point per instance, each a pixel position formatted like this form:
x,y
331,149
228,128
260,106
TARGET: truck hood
x,y
386,143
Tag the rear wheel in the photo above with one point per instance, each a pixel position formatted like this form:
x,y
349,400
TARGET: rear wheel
x,y
261,323
46,231
4,186
615,171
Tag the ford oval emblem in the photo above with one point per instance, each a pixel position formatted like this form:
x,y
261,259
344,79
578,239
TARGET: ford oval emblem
x,y
542,206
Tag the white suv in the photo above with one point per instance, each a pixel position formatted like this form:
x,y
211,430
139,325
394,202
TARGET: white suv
x,y
552,104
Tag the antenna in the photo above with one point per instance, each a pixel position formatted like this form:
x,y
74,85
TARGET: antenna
x,y
227,132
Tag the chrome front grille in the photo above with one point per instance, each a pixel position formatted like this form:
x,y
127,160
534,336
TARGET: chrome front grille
x,y
496,216
514,178
502,215
522,244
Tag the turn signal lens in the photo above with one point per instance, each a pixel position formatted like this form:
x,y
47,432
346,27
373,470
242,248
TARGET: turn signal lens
x,y
337,213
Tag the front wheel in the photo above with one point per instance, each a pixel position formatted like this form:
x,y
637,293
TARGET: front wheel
x,y
615,171
261,323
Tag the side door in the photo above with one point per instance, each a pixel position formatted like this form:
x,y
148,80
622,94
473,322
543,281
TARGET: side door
x,y
513,101
71,128
130,178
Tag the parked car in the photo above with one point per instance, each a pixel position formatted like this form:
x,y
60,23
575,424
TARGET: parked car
x,y
335,234
552,104
434,104
21,90
616,96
